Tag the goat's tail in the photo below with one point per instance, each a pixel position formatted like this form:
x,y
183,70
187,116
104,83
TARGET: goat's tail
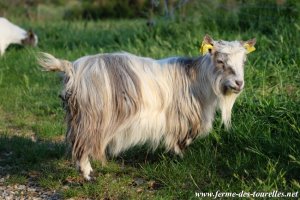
x,y
50,63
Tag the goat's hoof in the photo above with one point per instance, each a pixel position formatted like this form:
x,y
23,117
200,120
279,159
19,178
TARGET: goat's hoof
x,y
87,177
90,178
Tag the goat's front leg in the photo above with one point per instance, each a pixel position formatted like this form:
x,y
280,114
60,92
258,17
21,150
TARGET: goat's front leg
x,y
2,49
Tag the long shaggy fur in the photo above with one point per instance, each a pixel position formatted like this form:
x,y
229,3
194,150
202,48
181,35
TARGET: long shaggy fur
x,y
115,101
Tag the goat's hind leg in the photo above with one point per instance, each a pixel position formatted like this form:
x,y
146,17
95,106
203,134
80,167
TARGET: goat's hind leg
x,y
182,145
84,165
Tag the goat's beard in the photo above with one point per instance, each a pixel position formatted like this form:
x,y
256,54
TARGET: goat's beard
x,y
226,100
226,103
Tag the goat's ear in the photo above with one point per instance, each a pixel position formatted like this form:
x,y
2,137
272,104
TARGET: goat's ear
x,y
207,45
249,45
208,40
30,33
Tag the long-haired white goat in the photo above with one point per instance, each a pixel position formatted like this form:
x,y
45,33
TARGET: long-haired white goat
x,y
115,101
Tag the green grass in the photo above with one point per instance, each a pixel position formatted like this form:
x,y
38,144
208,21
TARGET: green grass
x,y
260,153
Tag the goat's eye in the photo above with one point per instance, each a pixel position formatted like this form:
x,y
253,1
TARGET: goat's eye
x,y
220,63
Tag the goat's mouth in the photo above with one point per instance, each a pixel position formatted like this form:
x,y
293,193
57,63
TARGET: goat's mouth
x,y
229,89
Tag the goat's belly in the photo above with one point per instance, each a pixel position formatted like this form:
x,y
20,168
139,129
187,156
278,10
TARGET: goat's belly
x,y
145,127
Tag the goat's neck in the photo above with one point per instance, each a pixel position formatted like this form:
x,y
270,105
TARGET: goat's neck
x,y
14,34
203,86
204,92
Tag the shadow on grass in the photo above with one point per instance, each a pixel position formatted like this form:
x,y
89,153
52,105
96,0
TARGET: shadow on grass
x,y
19,155
47,167
139,155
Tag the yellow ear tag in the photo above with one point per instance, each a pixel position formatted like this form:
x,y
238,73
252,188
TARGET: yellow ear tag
x,y
205,48
249,48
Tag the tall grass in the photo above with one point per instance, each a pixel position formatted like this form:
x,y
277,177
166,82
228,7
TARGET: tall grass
x,y
260,152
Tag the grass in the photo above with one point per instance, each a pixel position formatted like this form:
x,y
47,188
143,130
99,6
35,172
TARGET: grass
x,y
260,152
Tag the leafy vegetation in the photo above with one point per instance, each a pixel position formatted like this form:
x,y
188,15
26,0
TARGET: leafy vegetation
x,y
260,152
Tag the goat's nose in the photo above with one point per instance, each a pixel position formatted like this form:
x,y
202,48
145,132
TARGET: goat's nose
x,y
239,83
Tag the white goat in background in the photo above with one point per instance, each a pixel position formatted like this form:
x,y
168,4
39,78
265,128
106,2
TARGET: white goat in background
x,y
13,34
115,101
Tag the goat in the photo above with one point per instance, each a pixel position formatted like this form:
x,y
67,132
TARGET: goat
x,y
118,100
13,34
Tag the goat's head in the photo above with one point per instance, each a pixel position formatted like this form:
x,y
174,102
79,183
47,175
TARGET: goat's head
x,y
31,39
227,61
